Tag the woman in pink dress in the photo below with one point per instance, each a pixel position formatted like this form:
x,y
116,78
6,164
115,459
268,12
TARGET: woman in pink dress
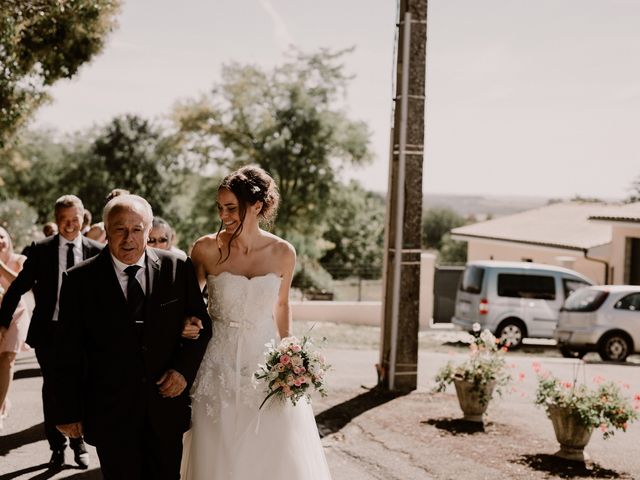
x,y
13,339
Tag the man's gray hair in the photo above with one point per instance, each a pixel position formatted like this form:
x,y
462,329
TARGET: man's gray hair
x,y
128,201
68,201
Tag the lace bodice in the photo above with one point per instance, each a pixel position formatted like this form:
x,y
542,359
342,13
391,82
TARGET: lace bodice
x,y
241,309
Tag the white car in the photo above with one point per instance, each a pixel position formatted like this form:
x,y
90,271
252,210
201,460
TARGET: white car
x,y
603,319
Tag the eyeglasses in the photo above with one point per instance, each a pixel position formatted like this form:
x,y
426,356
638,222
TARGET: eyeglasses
x,y
158,240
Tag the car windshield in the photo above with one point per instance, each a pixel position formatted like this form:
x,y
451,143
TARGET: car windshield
x,y
585,300
472,279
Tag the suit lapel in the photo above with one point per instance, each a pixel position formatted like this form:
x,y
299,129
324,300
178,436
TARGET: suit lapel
x,y
53,257
153,269
86,248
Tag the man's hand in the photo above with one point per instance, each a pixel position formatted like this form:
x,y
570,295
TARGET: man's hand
x,y
71,430
3,331
192,327
171,383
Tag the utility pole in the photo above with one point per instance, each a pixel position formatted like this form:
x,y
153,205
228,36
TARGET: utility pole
x,y
398,366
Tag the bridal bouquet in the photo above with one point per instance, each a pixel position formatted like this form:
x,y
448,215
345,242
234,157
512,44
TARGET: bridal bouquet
x,y
291,368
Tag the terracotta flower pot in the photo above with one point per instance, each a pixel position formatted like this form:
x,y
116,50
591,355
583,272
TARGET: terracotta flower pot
x,y
471,401
571,433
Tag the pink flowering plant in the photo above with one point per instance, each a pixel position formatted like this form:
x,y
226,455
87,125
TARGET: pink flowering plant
x,y
603,407
485,365
291,368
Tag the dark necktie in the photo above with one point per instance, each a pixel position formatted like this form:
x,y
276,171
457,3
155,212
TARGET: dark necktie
x,y
135,295
70,258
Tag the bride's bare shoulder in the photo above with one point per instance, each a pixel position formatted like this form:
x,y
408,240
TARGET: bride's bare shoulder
x,y
206,248
280,248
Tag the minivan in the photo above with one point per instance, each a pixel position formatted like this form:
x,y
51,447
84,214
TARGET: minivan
x,y
514,300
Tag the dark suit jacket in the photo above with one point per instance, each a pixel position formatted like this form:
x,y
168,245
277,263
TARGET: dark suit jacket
x,y
40,273
105,372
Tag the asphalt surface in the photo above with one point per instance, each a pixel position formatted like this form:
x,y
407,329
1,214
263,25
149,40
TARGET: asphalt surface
x,y
371,435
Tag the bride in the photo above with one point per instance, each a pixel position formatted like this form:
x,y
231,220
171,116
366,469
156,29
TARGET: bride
x,y
248,274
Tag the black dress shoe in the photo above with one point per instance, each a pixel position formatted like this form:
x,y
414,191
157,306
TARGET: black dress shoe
x,y
57,459
80,454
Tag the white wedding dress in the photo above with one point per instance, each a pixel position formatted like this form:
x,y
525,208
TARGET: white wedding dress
x,y
230,439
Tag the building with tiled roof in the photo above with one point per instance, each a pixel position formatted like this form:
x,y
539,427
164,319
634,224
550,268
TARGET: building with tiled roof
x,y
599,240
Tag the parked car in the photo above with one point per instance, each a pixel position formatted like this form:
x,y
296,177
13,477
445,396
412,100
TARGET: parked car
x,y
603,319
514,300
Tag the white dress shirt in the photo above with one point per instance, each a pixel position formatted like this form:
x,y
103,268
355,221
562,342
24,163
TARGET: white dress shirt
x,y
62,263
123,278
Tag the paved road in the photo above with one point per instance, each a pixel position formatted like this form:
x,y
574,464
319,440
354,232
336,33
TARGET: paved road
x,y
373,438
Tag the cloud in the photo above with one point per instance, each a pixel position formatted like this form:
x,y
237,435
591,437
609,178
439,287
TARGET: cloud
x,y
281,33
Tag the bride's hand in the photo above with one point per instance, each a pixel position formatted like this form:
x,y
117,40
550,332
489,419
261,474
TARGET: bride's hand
x,y
192,327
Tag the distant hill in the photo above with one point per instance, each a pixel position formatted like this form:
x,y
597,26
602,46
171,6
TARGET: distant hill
x,y
481,206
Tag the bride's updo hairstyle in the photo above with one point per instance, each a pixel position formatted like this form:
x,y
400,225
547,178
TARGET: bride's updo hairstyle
x,y
251,184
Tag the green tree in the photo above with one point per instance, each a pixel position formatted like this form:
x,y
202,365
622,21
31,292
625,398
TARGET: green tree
x,y
19,220
192,211
286,120
635,191
452,252
42,41
37,166
128,153
437,222
355,229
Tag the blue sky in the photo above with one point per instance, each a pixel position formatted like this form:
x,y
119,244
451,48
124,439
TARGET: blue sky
x,y
523,97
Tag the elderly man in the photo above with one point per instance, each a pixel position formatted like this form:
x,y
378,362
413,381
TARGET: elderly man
x,y
123,372
46,262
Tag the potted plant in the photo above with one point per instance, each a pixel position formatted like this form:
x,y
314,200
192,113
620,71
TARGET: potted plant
x,y
478,377
575,410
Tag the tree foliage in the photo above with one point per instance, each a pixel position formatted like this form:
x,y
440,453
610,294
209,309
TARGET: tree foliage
x,y
33,171
42,41
18,219
355,229
127,153
635,191
436,223
452,252
288,121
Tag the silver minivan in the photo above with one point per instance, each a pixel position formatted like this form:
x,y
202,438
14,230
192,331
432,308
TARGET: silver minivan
x,y
514,300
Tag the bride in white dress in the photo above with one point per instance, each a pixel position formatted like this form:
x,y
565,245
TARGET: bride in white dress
x,y
248,274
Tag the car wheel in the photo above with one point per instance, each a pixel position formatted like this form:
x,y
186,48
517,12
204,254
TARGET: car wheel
x,y
569,353
511,334
614,347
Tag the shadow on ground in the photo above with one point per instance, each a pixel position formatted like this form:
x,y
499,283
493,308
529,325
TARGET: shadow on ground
x,y
16,440
568,469
457,426
335,418
50,473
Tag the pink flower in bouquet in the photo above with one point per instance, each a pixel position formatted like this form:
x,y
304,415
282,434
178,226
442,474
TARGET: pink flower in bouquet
x,y
297,370
296,348
285,359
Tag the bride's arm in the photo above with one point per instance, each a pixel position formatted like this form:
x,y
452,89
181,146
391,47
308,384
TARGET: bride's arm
x,y
200,257
282,310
